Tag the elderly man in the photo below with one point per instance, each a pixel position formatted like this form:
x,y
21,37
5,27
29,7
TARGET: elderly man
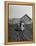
x,y
20,36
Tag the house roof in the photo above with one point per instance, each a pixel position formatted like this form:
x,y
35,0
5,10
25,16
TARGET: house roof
x,y
26,19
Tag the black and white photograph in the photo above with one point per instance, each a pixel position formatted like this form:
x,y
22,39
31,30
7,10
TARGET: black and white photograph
x,y
20,23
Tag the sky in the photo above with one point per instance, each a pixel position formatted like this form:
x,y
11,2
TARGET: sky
x,y
17,11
